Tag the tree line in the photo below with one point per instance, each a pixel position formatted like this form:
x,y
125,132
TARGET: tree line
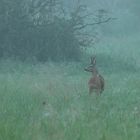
x,y
46,30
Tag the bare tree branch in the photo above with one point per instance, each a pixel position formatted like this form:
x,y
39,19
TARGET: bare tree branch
x,y
95,23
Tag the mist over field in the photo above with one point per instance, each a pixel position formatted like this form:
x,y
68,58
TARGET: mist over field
x,y
45,46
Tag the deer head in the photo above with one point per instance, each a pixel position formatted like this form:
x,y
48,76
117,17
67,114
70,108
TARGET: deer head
x,y
92,66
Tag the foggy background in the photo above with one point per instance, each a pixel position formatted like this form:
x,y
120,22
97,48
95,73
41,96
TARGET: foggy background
x,y
45,46
126,12
39,30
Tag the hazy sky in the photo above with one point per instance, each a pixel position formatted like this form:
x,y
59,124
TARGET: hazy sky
x,y
126,12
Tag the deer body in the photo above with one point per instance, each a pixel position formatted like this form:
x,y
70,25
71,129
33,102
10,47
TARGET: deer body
x,y
96,82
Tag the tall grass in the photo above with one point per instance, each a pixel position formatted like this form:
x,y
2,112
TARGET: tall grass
x,y
51,102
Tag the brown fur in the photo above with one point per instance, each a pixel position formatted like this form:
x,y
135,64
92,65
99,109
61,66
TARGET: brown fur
x,y
96,82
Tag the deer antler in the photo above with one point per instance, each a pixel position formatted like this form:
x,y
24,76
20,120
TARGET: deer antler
x,y
93,60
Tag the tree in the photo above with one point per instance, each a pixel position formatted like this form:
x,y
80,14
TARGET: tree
x,y
45,30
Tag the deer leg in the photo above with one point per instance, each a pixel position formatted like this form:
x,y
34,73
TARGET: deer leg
x,y
90,90
99,93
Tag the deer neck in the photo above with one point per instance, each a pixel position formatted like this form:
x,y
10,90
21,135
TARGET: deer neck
x,y
95,73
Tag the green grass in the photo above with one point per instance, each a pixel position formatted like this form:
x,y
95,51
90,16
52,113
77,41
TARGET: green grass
x,y
70,113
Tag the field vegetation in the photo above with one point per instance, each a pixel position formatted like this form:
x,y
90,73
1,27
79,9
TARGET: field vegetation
x,y
50,101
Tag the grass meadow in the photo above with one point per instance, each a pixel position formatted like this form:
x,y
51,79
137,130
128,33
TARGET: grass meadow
x,y
50,101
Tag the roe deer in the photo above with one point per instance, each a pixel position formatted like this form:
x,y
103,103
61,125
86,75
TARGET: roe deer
x,y
96,82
